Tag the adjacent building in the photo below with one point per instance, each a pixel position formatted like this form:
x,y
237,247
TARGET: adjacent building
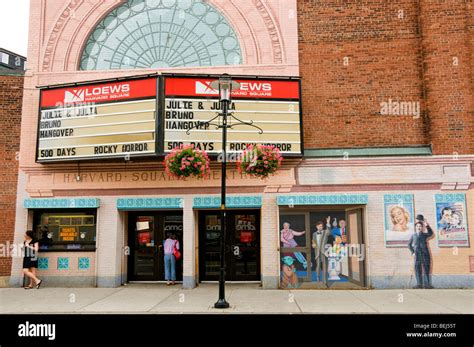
x,y
11,96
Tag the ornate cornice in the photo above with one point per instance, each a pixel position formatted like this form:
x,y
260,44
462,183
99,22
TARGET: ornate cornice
x,y
273,30
270,22
56,33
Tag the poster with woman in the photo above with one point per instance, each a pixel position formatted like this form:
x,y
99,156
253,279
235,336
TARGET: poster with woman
x,y
398,219
451,218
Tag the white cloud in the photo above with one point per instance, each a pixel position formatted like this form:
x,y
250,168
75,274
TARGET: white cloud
x,y
14,15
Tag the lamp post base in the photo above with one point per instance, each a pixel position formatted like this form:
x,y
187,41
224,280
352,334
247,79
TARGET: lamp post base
x,y
221,303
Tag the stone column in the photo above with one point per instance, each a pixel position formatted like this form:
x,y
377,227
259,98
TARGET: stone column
x,y
269,243
189,244
109,244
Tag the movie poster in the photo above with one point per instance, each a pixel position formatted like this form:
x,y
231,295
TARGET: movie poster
x,y
399,219
451,220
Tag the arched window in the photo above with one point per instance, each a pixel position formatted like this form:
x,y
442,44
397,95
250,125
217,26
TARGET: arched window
x,y
160,34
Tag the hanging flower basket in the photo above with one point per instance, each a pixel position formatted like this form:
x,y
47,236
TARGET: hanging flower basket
x,y
186,161
260,161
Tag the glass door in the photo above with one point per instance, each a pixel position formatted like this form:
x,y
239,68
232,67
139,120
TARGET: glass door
x,y
242,251
145,243
147,231
355,236
209,241
244,241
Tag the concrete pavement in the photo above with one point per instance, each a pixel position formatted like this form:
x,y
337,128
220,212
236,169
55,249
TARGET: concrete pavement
x,y
243,298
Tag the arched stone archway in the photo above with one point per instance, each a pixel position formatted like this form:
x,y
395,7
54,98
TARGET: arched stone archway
x,y
258,31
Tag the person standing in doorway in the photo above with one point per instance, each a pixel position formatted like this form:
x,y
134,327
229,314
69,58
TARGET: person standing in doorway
x,y
30,259
418,246
170,261
321,238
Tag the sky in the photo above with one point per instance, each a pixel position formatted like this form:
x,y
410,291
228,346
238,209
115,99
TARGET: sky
x,y
14,25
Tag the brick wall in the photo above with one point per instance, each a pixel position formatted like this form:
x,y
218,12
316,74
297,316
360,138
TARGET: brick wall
x,y
356,55
11,94
448,63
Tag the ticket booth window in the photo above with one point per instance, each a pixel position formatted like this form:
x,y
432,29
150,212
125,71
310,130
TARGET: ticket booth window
x,y
66,230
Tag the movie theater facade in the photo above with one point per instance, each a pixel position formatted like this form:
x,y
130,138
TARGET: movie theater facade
x,y
114,86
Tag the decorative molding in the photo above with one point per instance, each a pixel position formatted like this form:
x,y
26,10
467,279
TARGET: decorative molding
x,y
398,198
43,263
56,32
238,201
450,197
63,263
333,199
149,203
347,153
61,203
73,40
273,31
83,263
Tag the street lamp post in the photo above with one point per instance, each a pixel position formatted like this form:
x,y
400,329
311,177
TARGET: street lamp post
x,y
224,85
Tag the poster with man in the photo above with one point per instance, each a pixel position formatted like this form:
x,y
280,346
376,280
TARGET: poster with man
x,y
398,219
451,218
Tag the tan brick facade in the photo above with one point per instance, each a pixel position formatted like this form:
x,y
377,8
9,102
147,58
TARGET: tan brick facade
x,y
353,60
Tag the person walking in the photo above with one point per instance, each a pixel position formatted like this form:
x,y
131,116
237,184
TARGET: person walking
x,y
169,246
418,246
30,260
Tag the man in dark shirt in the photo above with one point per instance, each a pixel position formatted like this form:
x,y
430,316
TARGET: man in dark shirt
x,y
418,246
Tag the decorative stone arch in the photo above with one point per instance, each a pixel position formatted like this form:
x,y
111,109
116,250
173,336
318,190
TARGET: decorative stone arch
x,y
66,39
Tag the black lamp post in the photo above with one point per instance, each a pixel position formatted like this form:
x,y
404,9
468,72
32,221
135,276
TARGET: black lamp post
x,y
224,85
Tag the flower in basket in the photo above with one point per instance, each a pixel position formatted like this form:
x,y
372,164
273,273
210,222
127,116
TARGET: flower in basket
x,y
187,161
260,161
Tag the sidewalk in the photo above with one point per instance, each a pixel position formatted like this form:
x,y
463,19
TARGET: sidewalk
x,y
243,298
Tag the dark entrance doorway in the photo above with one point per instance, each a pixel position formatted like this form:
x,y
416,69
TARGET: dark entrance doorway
x,y
146,233
242,245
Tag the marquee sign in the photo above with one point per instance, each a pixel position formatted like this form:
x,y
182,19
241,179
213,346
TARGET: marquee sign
x,y
149,116
98,120
272,104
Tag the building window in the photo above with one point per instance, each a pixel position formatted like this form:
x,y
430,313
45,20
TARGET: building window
x,y
66,230
161,34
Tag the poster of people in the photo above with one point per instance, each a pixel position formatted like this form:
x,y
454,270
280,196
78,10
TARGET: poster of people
x,y
398,219
451,218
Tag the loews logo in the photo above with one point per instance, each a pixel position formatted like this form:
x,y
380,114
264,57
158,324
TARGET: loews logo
x,y
255,87
91,93
204,87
